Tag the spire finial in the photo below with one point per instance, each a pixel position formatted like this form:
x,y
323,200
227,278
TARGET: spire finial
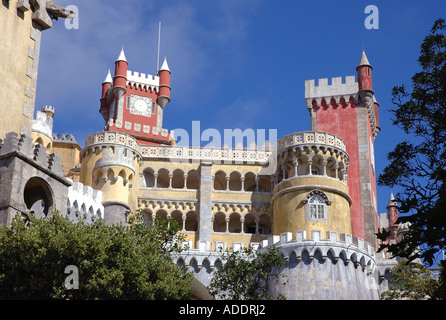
x,y
364,61
108,78
392,202
122,55
164,66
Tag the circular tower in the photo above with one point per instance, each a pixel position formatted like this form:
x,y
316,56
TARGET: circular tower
x,y
109,163
311,190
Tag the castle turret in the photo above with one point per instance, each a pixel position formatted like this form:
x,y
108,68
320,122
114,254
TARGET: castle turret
x,y
311,184
364,70
120,78
106,84
392,216
164,91
42,129
104,97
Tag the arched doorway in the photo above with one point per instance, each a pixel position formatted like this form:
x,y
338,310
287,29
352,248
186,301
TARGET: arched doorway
x,y
38,197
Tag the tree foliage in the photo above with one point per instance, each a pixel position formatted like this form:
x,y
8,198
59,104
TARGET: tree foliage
x,y
247,274
413,282
114,262
418,166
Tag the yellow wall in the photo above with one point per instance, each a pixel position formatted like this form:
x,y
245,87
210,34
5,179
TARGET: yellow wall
x,y
42,139
290,211
14,62
69,152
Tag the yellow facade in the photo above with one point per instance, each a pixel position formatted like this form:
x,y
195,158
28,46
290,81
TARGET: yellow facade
x,y
246,206
19,53
39,138
289,200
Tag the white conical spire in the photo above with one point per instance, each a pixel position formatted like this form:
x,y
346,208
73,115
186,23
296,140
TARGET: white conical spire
x,y
364,61
392,202
108,78
122,56
164,66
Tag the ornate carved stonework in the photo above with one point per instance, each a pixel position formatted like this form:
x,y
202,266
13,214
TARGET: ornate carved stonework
x,y
44,11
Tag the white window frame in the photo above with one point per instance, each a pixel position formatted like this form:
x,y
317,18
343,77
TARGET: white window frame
x,y
316,206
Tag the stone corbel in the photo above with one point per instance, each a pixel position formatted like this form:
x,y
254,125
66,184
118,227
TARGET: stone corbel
x,y
23,5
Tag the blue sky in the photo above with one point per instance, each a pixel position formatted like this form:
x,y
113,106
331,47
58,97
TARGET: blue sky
x,y
235,63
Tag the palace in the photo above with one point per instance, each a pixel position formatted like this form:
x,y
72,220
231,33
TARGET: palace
x,y
312,194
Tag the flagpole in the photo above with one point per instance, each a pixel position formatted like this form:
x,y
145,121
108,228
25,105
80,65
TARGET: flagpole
x,y
159,40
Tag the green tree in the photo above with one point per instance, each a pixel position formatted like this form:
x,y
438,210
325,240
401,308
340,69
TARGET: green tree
x,y
412,281
113,262
418,166
247,274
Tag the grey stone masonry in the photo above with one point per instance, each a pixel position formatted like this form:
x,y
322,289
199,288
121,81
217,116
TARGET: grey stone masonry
x,y
205,205
28,174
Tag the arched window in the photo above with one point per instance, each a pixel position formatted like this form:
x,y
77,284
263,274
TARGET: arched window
x,y
149,177
193,179
191,221
250,182
220,180
316,206
250,225
264,183
178,179
219,224
163,178
235,182
264,224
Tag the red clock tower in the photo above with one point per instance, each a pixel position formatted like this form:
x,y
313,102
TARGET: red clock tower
x,y
134,102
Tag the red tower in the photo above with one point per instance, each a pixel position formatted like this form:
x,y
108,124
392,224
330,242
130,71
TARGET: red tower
x,y
134,102
349,110
392,216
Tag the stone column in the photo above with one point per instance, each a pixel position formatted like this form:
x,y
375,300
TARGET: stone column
x,y
185,181
205,204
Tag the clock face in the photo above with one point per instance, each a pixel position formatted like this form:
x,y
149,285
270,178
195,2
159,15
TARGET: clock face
x,y
140,105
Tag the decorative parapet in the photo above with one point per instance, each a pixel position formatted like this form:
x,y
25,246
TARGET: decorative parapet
x,y
346,247
84,203
336,90
310,137
169,205
178,153
206,154
141,79
118,155
64,138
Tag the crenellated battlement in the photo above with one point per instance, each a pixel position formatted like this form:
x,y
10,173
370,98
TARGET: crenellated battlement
x,y
22,146
64,138
117,156
309,261
146,81
84,203
345,247
43,123
336,88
